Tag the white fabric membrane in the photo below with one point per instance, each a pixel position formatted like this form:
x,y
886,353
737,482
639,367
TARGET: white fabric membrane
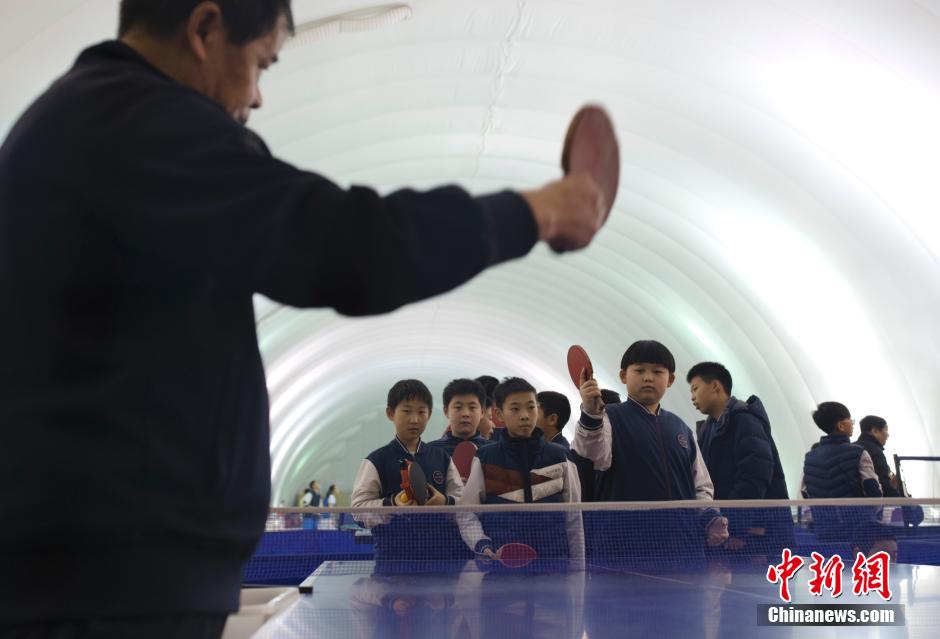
x,y
777,209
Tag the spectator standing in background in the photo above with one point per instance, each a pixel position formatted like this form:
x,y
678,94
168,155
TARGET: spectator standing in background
x,y
311,496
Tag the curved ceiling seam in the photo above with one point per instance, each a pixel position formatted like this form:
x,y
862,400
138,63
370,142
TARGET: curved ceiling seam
x,y
707,40
503,68
554,45
730,143
757,314
770,166
789,126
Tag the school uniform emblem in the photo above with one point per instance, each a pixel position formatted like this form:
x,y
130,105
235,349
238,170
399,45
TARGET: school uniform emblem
x,y
683,440
438,477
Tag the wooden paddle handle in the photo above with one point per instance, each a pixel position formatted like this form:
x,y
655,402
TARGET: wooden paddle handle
x,y
405,482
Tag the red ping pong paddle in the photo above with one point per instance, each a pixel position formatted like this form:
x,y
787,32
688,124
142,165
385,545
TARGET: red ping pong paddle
x,y
578,361
513,555
463,459
413,483
516,555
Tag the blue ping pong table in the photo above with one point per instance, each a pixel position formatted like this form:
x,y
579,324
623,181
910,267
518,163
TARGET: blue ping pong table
x,y
361,599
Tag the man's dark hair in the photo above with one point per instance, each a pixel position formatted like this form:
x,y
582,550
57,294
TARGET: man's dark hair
x,y
828,414
610,396
464,386
872,422
555,403
709,372
409,389
648,351
509,386
245,20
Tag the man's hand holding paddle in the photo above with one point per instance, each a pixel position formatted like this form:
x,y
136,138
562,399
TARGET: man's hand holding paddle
x,y
570,211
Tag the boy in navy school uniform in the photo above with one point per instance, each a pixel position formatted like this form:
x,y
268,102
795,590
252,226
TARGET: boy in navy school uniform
x,y
464,400
742,459
378,484
645,453
521,467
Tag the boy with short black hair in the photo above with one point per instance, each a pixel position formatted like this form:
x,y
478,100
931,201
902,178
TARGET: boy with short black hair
x,y
643,452
378,482
554,413
521,467
464,400
487,426
839,469
489,384
742,460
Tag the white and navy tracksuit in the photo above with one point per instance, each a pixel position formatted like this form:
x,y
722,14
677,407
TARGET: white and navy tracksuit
x,y
524,470
412,537
642,456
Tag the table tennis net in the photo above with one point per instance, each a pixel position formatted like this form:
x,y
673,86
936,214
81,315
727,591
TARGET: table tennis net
x,y
567,537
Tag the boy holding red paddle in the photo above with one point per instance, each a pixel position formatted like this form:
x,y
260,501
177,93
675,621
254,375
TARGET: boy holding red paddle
x,y
646,453
381,482
521,467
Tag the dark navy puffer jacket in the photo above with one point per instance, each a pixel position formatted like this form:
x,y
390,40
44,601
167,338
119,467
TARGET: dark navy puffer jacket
x,y
831,471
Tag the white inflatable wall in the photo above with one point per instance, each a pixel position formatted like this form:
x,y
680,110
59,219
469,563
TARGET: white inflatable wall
x,y
779,207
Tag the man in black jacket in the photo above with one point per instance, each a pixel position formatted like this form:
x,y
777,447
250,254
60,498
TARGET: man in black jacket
x,y
138,216
872,438
742,459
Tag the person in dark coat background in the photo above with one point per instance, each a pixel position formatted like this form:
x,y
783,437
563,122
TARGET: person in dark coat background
x,y
742,460
873,437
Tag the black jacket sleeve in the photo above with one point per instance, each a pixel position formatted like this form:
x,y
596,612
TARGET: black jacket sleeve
x,y
753,456
883,471
206,197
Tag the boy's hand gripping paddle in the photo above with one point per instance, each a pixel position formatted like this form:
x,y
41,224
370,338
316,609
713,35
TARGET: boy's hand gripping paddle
x,y
414,483
513,555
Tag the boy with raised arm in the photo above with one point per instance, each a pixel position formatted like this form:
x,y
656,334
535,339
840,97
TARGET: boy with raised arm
x,y
645,453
